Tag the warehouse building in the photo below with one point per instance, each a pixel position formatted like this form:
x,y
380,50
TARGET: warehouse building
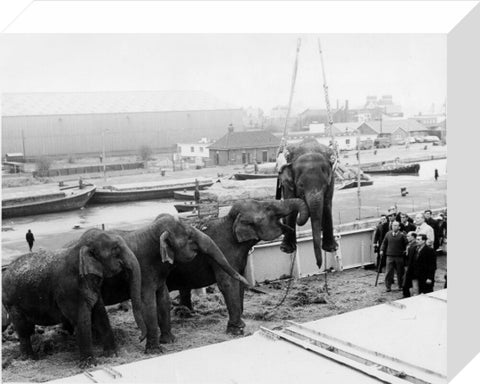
x,y
51,124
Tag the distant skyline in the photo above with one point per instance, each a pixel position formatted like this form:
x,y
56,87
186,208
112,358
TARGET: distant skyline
x,y
245,70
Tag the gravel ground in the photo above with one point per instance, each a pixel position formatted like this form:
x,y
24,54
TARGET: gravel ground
x,y
306,301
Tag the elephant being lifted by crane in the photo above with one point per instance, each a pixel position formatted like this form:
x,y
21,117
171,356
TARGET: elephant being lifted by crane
x,y
308,174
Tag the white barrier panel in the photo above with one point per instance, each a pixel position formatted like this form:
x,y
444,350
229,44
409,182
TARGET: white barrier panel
x,y
267,262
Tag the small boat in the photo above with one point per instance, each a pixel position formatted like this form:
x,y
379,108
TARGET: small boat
x,y
254,176
146,191
354,184
74,198
184,195
187,206
393,169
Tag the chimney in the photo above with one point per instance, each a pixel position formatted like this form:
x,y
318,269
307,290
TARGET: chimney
x,y
230,128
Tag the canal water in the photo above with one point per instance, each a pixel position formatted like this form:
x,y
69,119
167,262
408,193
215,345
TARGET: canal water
x,y
123,214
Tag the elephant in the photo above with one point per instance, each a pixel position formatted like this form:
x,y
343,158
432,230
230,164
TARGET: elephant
x,y
64,286
247,223
160,247
309,175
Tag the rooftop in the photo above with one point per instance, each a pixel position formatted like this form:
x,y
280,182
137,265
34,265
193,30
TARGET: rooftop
x,y
71,103
246,139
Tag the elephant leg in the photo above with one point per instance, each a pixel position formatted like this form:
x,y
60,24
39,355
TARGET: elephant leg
x,y
289,242
84,335
24,330
186,298
150,318
102,324
233,296
329,244
67,326
163,315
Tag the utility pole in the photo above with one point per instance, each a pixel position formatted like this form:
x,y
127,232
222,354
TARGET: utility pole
x,y
23,145
358,177
327,100
103,154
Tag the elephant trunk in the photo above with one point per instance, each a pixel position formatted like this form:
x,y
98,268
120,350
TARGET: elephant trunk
x,y
135,285
315,204
208,247
295,205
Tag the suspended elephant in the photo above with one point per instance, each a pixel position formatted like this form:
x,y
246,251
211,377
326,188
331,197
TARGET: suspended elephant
x,y
308,175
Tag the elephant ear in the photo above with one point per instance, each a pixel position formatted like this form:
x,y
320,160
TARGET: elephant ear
x,y
164,248
243,232
88,265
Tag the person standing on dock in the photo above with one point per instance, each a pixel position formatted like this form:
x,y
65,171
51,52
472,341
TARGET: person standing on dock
x,y
394,246
30,239
436,174
422,266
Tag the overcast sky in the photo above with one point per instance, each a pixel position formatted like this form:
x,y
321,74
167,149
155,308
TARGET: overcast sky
x,y
244,70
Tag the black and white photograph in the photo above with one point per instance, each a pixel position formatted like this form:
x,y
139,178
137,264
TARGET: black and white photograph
x,y
219,207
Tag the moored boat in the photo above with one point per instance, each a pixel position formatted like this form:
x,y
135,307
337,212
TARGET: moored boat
x,y
184,195
393,169
254,176
354,184
146,191
187,206
74,198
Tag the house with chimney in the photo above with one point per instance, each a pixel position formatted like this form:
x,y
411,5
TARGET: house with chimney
x,y
244,147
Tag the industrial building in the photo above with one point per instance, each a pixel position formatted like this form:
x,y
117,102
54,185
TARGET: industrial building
x,y
56,124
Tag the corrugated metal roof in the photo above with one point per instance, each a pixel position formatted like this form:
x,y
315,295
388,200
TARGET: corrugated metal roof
x,y
246,139
65,103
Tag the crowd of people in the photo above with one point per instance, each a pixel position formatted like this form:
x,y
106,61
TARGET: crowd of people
x,y
408,247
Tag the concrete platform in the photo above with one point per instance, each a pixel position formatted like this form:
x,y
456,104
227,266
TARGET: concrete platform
x,y
398,342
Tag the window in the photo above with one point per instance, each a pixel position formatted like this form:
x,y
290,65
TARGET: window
x,y
347,141
192,149
201,149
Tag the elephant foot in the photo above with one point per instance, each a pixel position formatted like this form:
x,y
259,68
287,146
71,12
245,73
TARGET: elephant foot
x,y
330,246
153,349
183,312
87,362
287,247
167,338
236,330
109,352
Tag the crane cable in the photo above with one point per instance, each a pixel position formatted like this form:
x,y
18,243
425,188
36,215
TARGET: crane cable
x,y
329,113
292,89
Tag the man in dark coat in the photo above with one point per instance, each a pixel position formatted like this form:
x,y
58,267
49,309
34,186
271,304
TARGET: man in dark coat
x,y
30,239
380,232
422,266
410,253
405,224
394,246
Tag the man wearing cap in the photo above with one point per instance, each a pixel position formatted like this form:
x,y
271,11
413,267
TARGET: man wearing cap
x,y
393,246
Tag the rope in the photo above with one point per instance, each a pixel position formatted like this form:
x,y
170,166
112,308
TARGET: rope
x,y
289,283
327,104
292,88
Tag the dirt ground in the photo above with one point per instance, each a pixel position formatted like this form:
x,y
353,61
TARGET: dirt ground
x,y
306,301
